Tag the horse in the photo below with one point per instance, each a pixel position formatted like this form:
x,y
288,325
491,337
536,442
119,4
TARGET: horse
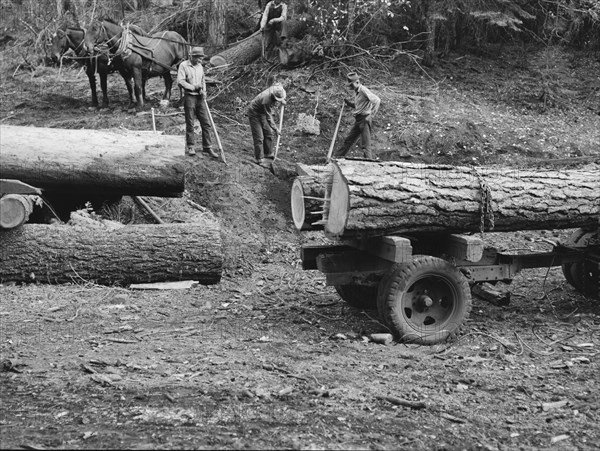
x,y
143,57
72,38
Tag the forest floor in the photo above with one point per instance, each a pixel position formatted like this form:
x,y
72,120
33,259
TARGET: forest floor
x,y
271,357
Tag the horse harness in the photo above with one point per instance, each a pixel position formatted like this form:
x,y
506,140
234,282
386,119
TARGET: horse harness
x,y
126,47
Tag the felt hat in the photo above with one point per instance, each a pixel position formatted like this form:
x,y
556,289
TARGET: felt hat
x,y
197,51
279,93
352,77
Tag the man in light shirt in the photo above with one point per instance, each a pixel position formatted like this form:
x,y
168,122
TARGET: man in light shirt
x,y
365,104
190,77
273,24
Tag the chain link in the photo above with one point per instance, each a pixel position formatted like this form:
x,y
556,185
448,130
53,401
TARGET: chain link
x,y
486,210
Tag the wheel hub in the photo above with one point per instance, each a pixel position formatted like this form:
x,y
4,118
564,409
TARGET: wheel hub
x,y
422,303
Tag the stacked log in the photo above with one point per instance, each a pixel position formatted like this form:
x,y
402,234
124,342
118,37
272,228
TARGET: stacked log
x,y
109,162
376,199
112,255
308,201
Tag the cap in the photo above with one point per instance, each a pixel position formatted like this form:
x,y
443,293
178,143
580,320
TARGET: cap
x,y
352,77
197,51
279,93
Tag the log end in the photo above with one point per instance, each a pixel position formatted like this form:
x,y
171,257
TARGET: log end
x,y
14,210
297,204
338,205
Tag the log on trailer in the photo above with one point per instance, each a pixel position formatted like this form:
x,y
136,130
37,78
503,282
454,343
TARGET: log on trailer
x,y
247,50
308,201
112,255
111,162
376,199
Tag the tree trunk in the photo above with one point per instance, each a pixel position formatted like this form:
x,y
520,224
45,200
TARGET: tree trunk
x,y
308,202
247,50
427,17
106,255
217,26
109,163
387,198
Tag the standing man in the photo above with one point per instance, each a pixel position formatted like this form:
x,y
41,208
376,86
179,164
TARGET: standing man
x,y
260,114
190,77
365,107
273,23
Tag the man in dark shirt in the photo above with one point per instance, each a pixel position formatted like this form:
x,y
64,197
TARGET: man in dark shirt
x,y
260,114
365,104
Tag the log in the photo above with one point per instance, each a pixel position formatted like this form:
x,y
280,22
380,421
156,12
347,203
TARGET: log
x,y
110,162
250,48
308,201
15,210
111,255
376,199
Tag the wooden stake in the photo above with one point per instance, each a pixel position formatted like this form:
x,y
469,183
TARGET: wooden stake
x,y
146,207
279,135
153,121
337,128
212,122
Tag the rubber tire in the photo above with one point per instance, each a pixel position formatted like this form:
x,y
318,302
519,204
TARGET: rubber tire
x,y
573,272
396,287
362,297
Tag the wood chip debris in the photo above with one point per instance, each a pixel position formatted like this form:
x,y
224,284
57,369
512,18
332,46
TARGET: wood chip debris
x,y
404,402
179,285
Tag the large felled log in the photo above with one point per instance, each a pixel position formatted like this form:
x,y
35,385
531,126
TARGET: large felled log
x,y
392,197
247,50
110,162
126,254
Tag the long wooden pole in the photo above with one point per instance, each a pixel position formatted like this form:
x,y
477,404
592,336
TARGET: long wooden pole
x,y
212,122
337,128
279,134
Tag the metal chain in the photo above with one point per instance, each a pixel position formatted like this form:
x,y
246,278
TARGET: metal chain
x,y
485,206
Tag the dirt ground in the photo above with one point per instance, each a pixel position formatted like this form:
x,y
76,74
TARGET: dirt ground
x,y
271,357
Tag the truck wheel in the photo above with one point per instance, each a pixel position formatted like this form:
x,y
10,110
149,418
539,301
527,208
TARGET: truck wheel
x,y
573,271
425,301
358,296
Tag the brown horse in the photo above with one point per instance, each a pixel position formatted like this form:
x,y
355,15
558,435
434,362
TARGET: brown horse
x,y
67,38
142,57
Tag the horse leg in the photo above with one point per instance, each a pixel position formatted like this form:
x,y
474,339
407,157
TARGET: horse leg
x,y
103,71
139,86
91,73
144,81
129,84
168,86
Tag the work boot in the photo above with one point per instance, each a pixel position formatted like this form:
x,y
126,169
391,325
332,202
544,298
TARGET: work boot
x,y
189,150
212,153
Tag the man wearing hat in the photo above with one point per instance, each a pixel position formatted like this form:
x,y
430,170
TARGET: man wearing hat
x,y
365,107
190,77
260,114
273,24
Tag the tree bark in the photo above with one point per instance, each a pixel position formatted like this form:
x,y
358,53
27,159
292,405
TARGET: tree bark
x,y
106,255
427,17
386,198
102,161
247,50
217,26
